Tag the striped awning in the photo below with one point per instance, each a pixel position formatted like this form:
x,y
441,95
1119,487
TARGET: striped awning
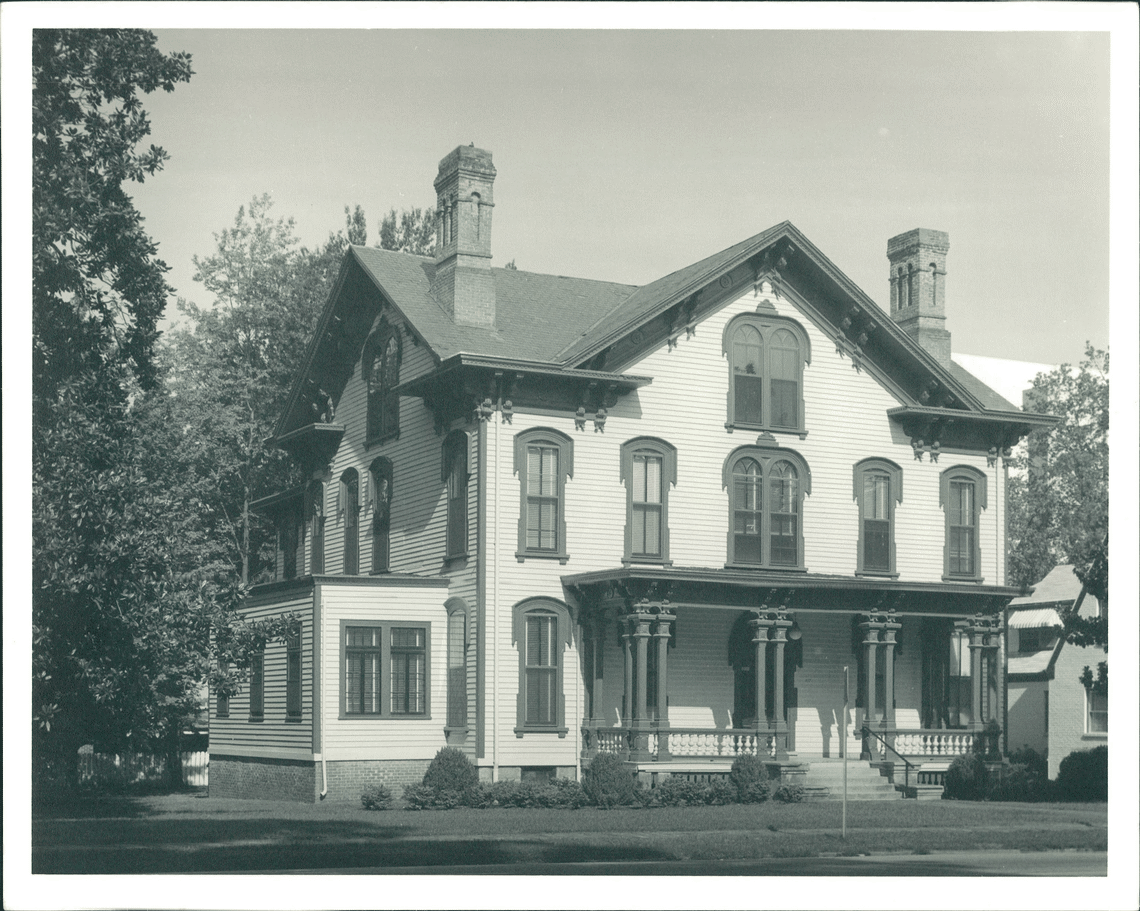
x,y
1034,619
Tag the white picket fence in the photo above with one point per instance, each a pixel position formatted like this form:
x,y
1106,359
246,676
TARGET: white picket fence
x,y
96,768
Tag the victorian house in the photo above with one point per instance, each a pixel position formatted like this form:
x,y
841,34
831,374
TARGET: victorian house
x,y
547,517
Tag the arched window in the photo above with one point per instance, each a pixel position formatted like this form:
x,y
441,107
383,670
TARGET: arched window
x,y
962,494
350,516
544,458
766,489
648,468
877,487
456,664
381,473
315,526
541,630
381,366
455,477
766,359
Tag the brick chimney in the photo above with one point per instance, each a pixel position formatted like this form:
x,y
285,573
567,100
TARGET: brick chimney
x,y
918,288
464,203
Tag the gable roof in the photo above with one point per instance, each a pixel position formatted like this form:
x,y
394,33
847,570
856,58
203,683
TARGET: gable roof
x,y
565,322
1060,586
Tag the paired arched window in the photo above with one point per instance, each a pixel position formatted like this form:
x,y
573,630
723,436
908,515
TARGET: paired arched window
x,y
381,475
877,487
766,490
766,358
349,514
381,366
455,478
648,468
962,493
541,630
544,458
315,526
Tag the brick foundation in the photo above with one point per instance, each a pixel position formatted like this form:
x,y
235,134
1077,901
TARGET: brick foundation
x,y
255,778
350,778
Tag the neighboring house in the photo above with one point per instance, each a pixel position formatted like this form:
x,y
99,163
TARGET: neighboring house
x,y
549,516
1048,708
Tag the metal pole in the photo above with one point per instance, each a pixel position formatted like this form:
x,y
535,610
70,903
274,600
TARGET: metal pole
x,y
843,748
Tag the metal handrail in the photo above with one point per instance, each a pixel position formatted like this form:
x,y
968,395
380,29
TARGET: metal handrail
x,y
906,775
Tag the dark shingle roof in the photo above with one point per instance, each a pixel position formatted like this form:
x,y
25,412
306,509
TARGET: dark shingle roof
x,y
981,391
536,314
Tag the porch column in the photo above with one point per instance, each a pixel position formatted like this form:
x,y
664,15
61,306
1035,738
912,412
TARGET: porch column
x,y
779,722
662,635
976,646
627,694
760,627
640,709
597,689
870,710
890,627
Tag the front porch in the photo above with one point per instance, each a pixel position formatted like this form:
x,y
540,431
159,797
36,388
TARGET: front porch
x,y
706,677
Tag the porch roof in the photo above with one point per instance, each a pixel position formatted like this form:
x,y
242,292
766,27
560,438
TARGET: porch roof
x,y
741,589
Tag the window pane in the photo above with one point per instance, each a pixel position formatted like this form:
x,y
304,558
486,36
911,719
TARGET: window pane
x,y
876,545
785,403
532,510
540,696
652,543
549,472
638,488
747,399
784,549
638,529
539,647
747,352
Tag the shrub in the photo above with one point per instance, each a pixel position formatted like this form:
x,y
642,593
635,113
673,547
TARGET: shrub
x,y
966,778
1083,775
421,797
679,792
756,792
377,798
451,770
721,791
789,793
1024,779
747,772
608,783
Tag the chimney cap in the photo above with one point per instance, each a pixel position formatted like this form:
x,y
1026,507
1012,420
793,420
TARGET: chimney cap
x,y
918,237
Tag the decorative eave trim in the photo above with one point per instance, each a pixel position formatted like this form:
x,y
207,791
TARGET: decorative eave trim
x,y
993,431
447,368
269,504
312,443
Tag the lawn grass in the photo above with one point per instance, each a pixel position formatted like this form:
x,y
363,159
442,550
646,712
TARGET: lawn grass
x,y
184,833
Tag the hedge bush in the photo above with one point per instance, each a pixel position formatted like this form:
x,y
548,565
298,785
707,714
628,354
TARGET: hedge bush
x,y
748,772
789,793
1024,779
1083,775
966,778
451,770
608,783
377,798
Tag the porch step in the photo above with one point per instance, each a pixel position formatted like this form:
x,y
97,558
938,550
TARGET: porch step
x,y
824,779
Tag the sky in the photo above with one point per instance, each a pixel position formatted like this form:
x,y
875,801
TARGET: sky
x,y
626,154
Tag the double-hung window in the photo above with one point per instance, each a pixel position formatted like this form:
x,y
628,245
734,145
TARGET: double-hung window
x,y
766,357
456,664
455,479
544,458
541,632
350,515
362,649
877,488
409,670
381,489
257,684
648,468
381,366
315,526
962,490
293,676
766,489
1096,717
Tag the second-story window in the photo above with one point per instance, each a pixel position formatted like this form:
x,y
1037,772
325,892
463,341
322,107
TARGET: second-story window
x,y
877,488
648,468
766,489
962,490
315,526
543,460
455,477
350,516
766,359
381,488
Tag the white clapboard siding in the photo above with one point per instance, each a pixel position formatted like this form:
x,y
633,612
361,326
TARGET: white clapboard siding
x,y
389,738
237,735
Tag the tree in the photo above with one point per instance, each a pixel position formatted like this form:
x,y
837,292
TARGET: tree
x,y
97,287
1058,491
409,231
126,583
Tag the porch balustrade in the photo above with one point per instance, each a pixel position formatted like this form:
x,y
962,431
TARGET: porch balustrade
x,y
675,743
935,744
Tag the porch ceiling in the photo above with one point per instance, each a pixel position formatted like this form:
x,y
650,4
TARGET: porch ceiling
x,y
736,589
